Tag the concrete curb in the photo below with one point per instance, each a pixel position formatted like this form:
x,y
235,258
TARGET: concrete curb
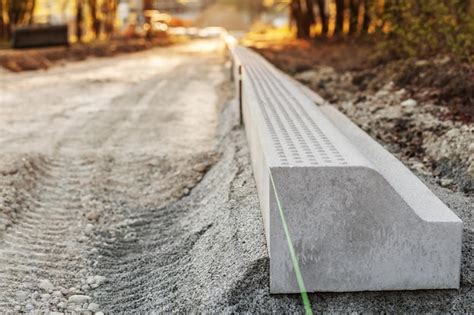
x,y
358,218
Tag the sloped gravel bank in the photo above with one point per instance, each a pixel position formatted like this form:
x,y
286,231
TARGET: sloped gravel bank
x,y
206,253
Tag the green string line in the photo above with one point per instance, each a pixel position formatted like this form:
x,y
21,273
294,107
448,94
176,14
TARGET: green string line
x,y
294,260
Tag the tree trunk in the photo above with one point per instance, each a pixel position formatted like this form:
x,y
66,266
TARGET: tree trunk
x,y
354,16
2,20
339,17
79,20
24,9
15,12
95,18
111,9
303,16
295,12
310,12
147,4
367,16
323,16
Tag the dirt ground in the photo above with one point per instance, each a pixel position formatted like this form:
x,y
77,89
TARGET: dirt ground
x,y
86,146
445,80
126,187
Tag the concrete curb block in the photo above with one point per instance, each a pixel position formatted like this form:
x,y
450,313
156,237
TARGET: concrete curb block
x,y
358,218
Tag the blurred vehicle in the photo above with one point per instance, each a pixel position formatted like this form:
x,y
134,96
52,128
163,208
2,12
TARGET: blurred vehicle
x,y
39,36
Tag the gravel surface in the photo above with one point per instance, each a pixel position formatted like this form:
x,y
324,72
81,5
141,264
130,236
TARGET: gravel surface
x,y
417,132
117,199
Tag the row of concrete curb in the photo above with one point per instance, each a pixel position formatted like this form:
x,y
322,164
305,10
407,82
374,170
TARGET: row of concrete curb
x,y
358,219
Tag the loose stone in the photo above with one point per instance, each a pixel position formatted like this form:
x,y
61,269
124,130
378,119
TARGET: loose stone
x,y
46,285
93,307
79,299
409,103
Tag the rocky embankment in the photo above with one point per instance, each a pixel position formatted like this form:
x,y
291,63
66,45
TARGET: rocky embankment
x,y
415,131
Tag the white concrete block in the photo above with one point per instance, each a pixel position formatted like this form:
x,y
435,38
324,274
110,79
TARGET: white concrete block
x,y
358,218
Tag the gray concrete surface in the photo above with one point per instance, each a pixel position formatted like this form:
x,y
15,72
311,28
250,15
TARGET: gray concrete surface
x,y
359,220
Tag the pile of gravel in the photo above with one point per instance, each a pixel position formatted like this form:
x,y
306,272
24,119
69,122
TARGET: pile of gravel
x,y
206,253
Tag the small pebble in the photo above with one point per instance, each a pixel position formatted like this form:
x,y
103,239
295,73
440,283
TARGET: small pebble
x,y
88,229
46,285
92,216
98,280
409,103
446,182
45,296
54,300
94,307
57,293
90,280
21,296
35,295
201,167
471,148
79,299
401,92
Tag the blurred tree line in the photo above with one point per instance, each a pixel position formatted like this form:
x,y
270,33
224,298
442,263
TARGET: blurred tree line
x,y
404,27
101,13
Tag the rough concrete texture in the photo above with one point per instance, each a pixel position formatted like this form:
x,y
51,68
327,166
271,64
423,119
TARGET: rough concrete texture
x,y
359,220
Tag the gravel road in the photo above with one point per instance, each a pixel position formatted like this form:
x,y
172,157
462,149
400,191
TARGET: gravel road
x,y
126,187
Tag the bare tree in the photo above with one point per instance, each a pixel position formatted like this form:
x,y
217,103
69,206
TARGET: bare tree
x,y
95,17
323,16
110,10
339,17
79,20
354,6
367,15
147,4
302,13
4,20
27,12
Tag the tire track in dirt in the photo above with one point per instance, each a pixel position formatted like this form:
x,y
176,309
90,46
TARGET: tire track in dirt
x,y
30,250
77,185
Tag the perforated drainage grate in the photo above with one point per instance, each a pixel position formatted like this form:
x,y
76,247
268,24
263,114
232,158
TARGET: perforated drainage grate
x,y
296,137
